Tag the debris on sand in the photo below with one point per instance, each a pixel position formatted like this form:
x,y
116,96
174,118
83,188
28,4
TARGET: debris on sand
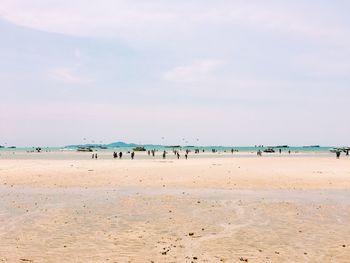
x,y
165,251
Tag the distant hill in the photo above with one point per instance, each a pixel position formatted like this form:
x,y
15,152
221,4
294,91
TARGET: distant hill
x,y
121,144
111,145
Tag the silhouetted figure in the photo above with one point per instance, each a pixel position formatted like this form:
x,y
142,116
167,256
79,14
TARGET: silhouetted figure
x,y
259,153
232,151
337,154
280,151
95,155
153,152
115,155
187,151
186,155
120,155
148,152
164,155
347,152
178,155
289,152
132,155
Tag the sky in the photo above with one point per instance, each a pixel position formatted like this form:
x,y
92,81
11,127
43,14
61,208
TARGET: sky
x,y
223,72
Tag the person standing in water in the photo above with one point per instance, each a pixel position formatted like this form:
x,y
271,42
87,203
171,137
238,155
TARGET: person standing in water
x,y
337,154
132,155
164,155
178,155
120,155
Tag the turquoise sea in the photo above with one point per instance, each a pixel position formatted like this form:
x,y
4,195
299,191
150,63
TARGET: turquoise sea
x,y
190,148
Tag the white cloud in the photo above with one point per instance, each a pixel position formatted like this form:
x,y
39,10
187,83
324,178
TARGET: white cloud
x,y
153,22
196,72
262,45
68,75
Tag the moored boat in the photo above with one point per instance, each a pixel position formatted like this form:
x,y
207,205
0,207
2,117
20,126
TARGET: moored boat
x,y
84,149
269,150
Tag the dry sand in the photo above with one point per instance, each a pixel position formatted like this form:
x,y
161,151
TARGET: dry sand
x,y
220,208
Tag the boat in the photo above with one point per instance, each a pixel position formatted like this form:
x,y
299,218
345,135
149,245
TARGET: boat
x,y
311,146
139,149
341,149
84,149
269,150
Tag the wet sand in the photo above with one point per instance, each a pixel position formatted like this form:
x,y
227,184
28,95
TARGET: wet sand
x,y
222,209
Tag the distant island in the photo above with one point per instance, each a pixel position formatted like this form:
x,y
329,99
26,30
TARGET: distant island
x,y
112,145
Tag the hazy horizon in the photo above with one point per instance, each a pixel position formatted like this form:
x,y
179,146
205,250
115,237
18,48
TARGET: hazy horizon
x,y
85,142
210,72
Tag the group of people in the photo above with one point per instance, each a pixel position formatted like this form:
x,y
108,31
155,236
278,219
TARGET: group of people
x,y
338,152
120,155
115,155
151,152
259,152
177,154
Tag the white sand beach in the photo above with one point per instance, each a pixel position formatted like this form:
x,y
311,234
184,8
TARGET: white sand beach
x,y
213,208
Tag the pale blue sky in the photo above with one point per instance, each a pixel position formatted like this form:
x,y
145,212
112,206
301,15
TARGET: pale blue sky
x,y
227,72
